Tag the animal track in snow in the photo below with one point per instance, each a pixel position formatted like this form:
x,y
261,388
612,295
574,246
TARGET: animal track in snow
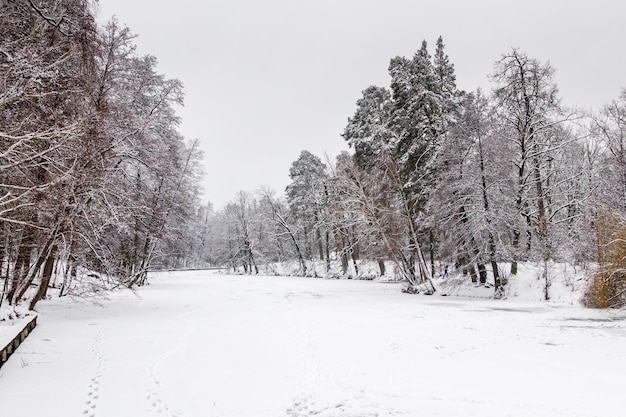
x,y
153,396
94,384
305,407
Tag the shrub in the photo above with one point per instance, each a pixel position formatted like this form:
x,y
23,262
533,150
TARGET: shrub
x,y
608,287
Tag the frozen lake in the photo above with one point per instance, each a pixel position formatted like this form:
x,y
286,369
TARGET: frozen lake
x,y
198,344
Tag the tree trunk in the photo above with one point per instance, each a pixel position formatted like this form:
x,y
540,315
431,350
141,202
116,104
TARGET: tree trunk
x,y
327,249
320,244
251,260
496,275
339,243
19,270
470,269
70,268
140,276
521,174
48,270
45,278
515,243
7,272
43,256
474,249
431,249
381,267
543,220
354,254
5,286
482,272
307,244
492,243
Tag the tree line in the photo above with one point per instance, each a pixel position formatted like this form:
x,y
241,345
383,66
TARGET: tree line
x,y
94,176
97,186
440,176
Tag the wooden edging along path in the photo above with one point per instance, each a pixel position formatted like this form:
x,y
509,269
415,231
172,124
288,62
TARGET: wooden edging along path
x,y
8,350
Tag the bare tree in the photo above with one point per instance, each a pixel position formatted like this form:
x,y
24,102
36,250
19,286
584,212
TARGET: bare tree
x,y
529,107
93,172
278,213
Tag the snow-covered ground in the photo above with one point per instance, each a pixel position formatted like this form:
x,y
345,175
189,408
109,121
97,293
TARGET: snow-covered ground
x,y
197,344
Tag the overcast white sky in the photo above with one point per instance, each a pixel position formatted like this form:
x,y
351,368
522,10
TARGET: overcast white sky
x,y
265,80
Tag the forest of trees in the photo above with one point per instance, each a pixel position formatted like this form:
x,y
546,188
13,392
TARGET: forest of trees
x,y
96,180
439,176
94,175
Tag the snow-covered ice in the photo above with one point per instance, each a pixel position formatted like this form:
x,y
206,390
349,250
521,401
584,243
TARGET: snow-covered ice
x,y
197,344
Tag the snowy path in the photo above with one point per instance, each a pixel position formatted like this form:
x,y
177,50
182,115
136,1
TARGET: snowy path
x,y
195,344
